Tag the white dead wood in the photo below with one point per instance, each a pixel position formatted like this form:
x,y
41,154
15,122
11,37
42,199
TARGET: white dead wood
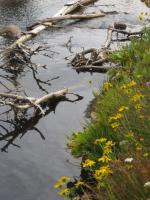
x,y
49,21
100,56
97,57
22,103
67,9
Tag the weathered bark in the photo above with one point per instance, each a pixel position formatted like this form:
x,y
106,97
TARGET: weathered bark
x,y
67,9
51,20
97,57
21,102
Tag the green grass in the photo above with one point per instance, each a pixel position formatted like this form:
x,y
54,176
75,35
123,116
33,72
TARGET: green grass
x,y
135,62
124,102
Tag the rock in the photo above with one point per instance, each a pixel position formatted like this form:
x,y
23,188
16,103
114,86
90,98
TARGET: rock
x,y
11,31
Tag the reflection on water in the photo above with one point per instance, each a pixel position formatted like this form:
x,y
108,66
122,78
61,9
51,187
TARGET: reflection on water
x,y
29,172
22,121
19,125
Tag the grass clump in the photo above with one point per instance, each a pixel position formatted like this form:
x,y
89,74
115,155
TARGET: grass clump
x,y
115,146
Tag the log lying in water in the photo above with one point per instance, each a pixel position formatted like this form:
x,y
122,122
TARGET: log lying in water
x,y
94,62
97,57
64,13
24,103
67,9
49,21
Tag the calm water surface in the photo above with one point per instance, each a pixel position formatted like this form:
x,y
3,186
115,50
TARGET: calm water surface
x,y
29,172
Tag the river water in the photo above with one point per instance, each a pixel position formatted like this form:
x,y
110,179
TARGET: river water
x,y
29,172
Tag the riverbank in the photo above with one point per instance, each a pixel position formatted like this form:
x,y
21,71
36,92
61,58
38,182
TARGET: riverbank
x,y
115,145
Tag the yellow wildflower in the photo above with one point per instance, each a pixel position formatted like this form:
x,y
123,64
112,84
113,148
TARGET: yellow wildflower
x,y
130,134
141,116
107,150
149,118
126,89
132,83
100,140
137,97
79,183
104,159
138,146
58,185
108,147
88,163
107,85
115,125
138,106
110,144
123,108
103,172
123,87
129,166
64,192
63,179
146,155
115,117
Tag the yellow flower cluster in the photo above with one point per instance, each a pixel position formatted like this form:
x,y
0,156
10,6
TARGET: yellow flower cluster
x,y
123,108
88,163
127,87
115,125
113,120
100,140
141,116
130,135
137,97
131,84
64,192
108,147
79,184
107,85
138,106
104,159
115,117
102,172
61,182
146,154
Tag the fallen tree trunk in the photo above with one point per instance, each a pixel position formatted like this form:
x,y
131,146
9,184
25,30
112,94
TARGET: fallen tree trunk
x,y
49,21
19,53
67,9
97,57
94,62
23,103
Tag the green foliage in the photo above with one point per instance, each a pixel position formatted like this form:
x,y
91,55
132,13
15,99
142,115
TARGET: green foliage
x,y
115,145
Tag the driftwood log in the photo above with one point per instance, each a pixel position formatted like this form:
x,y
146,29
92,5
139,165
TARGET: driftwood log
x,y
66,13
24,103
98,57
67,9
52,20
